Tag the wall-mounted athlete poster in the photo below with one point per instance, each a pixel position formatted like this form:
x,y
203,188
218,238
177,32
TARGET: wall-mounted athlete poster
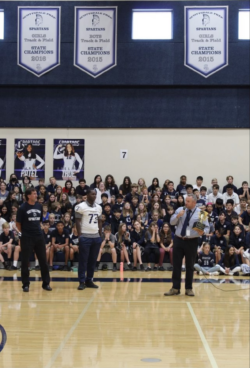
x,y
29,158
3,159
68,159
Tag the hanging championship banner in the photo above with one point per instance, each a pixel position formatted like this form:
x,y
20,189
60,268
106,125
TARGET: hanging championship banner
x,y
3,159
206,39
38,38
68,159
30,158
95,39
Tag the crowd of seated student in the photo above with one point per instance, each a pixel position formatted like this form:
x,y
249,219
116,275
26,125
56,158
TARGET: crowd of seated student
x,y
136,221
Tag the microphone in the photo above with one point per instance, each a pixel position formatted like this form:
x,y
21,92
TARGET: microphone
x,y
184,207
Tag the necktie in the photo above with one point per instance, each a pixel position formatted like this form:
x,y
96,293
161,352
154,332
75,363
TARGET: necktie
x,y
185,225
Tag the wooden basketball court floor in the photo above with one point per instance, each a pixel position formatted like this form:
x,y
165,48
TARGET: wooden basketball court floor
x,y
125,323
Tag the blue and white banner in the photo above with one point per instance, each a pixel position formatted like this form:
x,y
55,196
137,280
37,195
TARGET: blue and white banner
x,y
95,45
68,159
29,158
3,158
38,38
206,39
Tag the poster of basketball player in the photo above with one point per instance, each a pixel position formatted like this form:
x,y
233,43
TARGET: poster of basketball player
x,y
30,158
68,159
3,159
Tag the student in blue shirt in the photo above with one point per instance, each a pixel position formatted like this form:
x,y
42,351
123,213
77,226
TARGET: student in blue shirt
x,y
181,188
218,244
210,211
245,218
110,185
229,263
125,188
206,262
237,240
230,180
200,202
222,224
203,194
155,218
235,222
155,184
152,240
127,215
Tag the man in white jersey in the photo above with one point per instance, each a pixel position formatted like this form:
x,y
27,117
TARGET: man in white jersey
x,y
89,225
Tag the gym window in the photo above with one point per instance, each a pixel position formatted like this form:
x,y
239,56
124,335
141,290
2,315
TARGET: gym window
x,y
244,24
152,24
1,24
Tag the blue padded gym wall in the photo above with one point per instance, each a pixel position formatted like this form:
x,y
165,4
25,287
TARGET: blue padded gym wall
x,y
149,88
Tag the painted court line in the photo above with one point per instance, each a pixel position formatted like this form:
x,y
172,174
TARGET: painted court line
x,y
116,301
202,336
66,338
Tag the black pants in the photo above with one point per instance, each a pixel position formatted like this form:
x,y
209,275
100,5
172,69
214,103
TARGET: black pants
x,y
28,245
184,248
88,252
154,251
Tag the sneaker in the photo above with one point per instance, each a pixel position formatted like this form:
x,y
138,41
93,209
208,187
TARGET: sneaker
x,y
161,268
214,273
12,268
25,289
155,268
142,267
37,268
134,268
65,268
189,292
90,284
130,266
172,292
96,269
231,273
170,268
200,273
81,286
148,269
183,269
114,269
236,274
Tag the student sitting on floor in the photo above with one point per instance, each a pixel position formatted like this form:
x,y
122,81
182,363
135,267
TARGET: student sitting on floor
x,y
206,262
229,263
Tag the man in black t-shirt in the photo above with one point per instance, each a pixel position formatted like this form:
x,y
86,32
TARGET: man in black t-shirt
x,y
29,217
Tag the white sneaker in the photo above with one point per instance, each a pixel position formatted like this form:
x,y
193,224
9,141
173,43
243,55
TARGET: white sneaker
x,y
201,273
215,273
231,273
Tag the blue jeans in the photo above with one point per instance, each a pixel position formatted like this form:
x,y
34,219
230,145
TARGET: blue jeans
x,y
88,253
207,269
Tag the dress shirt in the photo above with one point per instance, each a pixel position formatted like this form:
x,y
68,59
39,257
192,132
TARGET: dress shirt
x,y
194,218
